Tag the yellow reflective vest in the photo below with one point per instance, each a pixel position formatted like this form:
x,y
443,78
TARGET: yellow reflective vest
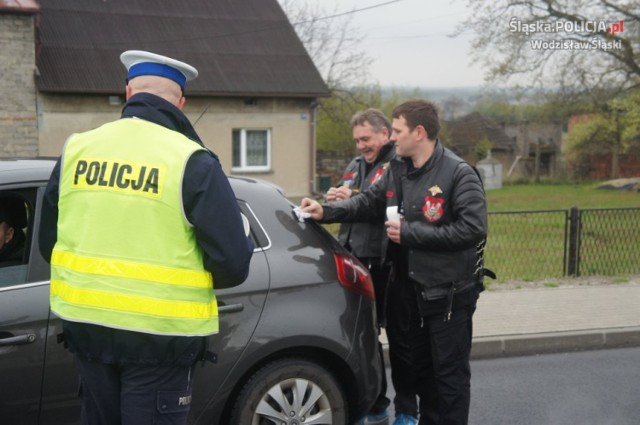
x,y
126,256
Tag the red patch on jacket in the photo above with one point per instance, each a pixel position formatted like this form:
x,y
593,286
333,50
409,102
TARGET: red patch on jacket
x,y
432,208
390,194
348,176
376,176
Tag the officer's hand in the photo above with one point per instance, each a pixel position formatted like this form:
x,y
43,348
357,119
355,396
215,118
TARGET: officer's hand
x,y
393,230
312,207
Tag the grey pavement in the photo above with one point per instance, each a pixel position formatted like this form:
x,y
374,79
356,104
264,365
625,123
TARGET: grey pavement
x,y
545,320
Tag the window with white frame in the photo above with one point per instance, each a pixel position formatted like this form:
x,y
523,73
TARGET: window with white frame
x,y
251,149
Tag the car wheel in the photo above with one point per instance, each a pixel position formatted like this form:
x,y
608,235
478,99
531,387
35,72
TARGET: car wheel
x,y
291,392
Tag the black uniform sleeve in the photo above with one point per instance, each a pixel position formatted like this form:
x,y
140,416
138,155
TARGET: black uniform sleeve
x,y
48,232
211,207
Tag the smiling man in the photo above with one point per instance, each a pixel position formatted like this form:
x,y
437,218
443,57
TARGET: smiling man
x,y
371,131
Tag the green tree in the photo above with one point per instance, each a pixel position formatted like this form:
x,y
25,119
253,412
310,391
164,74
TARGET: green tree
x,y
334,131
482,148
614,131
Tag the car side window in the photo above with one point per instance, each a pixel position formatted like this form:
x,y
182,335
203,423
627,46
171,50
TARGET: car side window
x,y
16,224
256,232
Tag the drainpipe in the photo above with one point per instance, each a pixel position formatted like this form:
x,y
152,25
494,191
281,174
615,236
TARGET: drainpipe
x,y
313,109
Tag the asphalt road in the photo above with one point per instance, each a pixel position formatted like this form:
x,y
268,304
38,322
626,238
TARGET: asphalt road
x,y
587,388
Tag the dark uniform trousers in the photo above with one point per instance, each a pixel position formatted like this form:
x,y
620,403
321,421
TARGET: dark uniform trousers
x,y
429,359
133,394
380,277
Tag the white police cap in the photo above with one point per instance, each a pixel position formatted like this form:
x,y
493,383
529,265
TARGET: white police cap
x,y
139,62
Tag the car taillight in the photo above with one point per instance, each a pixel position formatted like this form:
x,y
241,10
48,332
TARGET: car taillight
x,y
353,276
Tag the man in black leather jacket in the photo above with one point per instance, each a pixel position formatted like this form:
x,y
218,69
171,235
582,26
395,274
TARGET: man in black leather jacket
x,y
437,269
371,130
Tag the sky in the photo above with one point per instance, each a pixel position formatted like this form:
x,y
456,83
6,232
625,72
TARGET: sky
x,y
410,41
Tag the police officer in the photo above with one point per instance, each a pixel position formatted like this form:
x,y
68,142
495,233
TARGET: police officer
x,y
436,261
371,131
140,224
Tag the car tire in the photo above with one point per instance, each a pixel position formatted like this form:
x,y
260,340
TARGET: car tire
x,y
291,391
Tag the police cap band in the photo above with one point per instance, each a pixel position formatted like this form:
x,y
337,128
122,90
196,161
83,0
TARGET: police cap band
x,y
140,62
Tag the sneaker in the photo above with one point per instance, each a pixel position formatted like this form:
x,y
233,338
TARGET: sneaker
x,y
381,418
405,420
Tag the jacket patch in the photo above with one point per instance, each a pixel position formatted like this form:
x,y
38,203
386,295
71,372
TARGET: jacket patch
x,y
435,190
347,179
379,173
432,208
377,176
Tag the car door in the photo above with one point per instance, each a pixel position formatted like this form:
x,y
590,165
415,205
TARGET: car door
x,y
59,402
239,312
24,318
38,383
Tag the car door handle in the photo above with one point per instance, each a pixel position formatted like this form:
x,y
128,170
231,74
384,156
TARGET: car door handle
x,y
17,340
231,308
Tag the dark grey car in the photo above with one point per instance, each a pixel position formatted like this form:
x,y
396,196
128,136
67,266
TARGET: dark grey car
x,y
297,342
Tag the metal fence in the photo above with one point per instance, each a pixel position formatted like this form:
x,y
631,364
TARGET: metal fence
x,y
527,245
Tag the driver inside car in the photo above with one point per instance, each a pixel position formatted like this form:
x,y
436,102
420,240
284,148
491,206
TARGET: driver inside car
x,y
12,240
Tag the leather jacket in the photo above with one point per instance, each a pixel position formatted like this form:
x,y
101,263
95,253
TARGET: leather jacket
x,y
444,220
364,239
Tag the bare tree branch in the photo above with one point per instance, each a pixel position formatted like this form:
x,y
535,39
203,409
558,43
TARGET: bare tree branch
x,y
333,44
626,12
528,40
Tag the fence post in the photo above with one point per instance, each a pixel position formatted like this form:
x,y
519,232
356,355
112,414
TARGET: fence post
x,y
574,235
